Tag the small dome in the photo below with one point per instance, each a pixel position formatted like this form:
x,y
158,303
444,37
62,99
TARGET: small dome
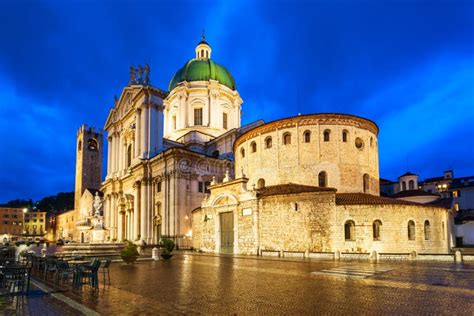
x,y
202,70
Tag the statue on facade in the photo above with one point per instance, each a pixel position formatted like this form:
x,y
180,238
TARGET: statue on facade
x,y
133,78
97,219
147,74
140,73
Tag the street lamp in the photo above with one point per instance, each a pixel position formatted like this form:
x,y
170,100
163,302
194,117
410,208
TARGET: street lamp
x,y
25,210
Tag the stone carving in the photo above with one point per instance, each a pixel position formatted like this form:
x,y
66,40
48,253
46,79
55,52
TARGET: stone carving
x,y
97,218
147,74
133,78
140,73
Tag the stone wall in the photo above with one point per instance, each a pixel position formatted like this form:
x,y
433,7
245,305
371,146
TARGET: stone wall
x,y
301,162
394,229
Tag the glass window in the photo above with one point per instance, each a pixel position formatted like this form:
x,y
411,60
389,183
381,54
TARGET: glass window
x,y
198,117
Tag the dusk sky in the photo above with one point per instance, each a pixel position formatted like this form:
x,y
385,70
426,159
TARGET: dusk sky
x,y
407,65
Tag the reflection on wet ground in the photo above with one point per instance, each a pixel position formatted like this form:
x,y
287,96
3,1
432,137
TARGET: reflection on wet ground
x,y
194,283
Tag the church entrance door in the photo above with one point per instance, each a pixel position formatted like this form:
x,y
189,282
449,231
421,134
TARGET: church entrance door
x,y
227,232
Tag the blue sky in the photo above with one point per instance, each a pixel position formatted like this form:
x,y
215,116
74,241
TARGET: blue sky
x,y
407,65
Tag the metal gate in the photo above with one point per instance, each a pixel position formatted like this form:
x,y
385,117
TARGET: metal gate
x,y
227,232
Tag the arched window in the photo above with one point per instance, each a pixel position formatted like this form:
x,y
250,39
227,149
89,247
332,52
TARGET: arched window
x,y
322,179
327,134
287,139
207,54
92,144
349,230
260,183
129,155
411,185
344,135
202,53
376,228
404,185
411,230
79,145
242,152
427,230
307,136
268,142
366,183
359,143
371,141
253,145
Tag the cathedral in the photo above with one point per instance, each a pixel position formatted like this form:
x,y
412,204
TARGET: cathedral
x,y
181,165
166,147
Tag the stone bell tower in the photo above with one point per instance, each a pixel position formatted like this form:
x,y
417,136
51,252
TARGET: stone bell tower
x,y
88,161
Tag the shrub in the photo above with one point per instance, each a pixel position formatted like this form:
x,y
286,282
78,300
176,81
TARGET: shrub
x,y
130,250
168,245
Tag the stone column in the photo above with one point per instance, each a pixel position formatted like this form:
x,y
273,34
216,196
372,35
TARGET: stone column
x,y
109,149
115,152
143,131
121,213
143,209
136,210
138,132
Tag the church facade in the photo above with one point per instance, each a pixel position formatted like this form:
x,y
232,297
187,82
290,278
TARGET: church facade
x,y
166,147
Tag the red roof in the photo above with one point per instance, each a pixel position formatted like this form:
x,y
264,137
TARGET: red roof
x,y
363,199
291,188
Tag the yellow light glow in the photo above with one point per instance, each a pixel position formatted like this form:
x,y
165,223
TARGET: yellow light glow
x,y
189,233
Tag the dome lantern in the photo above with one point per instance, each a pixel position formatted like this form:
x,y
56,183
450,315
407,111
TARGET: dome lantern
x,y
203,49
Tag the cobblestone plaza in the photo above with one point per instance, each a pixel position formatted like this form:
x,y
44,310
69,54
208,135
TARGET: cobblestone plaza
x,y
208,284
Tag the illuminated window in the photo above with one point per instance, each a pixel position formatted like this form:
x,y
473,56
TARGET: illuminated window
x,y
198,117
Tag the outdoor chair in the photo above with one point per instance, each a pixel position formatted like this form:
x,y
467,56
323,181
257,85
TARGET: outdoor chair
x,y
50,267
89,273
105,270
63,271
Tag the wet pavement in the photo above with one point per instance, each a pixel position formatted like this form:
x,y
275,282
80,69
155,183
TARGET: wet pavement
x,y
208,284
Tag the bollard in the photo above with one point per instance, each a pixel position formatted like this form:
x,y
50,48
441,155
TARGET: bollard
x,y
458,256
337,255
154,254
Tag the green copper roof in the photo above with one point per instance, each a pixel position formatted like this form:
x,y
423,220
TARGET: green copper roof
x,y
202,70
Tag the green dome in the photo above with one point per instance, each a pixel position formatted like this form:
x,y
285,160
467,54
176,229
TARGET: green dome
x,y
202,70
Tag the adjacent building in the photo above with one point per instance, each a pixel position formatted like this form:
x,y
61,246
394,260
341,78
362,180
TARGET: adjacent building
x,y
11,223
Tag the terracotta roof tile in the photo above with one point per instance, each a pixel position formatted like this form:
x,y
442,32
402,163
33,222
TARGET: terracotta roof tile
x,y
362,198
290,188
408,193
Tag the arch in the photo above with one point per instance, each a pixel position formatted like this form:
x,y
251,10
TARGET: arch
x,y
411,230
376,228
322,179
268,142
371,141
79,145
242,152
349,230
129,155
224,199
92,144
427,230
327,135
404,186
366,180
286,139
359,143
207,54
345,135
260,183
307,136
411,185
253,146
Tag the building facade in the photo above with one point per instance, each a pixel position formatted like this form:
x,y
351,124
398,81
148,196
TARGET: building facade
x,y
311,184
165,147
11,223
